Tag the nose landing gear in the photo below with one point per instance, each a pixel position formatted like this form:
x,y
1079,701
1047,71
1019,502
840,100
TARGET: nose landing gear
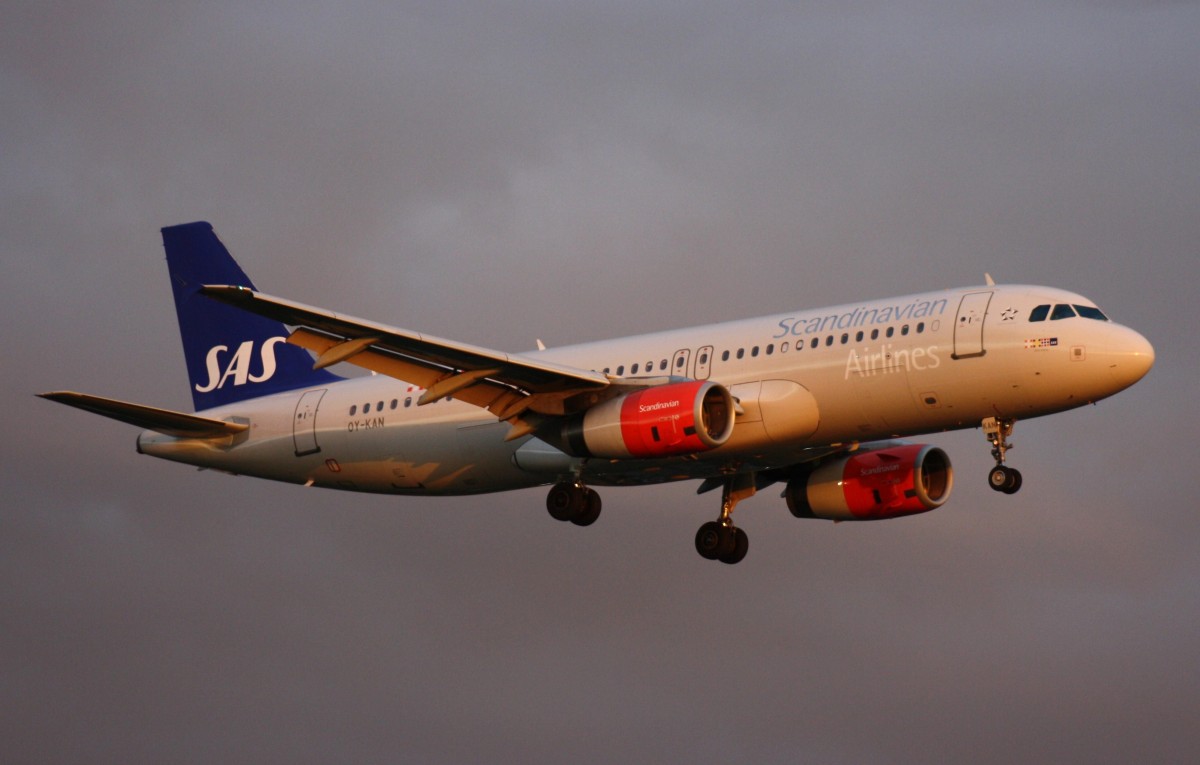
x,y
1001,478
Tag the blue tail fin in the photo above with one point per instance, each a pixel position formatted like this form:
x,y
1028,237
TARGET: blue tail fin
x,y
231,355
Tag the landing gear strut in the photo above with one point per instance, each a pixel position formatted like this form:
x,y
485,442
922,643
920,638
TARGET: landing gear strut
x,y
573,502
720,539
1001,478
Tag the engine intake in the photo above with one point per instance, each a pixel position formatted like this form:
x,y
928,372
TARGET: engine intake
x,y
874,485
660,421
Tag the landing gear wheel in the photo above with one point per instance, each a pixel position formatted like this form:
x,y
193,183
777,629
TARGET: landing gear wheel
x,y
1015,480
741,543
720,539
1001,478
573,502
712,541
566,501
1005,479
997,478
591,509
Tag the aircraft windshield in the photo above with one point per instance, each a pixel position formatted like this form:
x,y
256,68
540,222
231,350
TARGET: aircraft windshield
x,y
1091,312
1065,311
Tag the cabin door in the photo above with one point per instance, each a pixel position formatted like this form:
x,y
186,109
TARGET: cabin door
x,y
304,424
968,326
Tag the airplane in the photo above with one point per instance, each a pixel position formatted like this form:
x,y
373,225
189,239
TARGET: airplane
x,y
814,400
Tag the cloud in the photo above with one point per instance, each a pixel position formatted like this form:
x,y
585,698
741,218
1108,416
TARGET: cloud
x,y
500,173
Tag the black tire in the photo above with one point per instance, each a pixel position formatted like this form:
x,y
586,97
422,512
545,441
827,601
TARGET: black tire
x,y
741,543
565,502
710,540
591,509
999,478
1014,481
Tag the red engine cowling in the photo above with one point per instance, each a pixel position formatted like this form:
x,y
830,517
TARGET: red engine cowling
x,y
661,421
874,485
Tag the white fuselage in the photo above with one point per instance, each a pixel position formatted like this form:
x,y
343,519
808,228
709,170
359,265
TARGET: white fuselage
x,y
805,380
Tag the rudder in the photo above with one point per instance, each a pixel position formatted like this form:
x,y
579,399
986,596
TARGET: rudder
x,y
231,355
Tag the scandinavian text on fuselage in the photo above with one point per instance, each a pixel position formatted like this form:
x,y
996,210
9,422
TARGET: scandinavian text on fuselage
x,y
861,316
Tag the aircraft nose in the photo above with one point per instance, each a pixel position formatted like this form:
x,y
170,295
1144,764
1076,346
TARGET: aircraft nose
x,y
1131,356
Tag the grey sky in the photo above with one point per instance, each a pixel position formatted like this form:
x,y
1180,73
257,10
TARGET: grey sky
x,y
502,172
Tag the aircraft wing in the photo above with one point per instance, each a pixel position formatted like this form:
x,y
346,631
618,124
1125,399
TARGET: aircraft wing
x,y
508,385
166,421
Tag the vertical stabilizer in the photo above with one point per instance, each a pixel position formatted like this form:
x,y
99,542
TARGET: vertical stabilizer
x,y
231,355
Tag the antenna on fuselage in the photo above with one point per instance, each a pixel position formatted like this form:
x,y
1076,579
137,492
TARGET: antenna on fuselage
x,y
988,278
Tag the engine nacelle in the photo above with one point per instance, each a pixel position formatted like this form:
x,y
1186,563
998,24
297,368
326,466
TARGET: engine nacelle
x,y
874,485
660,421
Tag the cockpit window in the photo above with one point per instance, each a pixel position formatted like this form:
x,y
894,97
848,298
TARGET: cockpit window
x,y
1062,311
1091,312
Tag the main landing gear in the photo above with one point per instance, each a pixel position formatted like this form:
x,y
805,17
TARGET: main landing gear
x,y
573,502
720,539
715,540
1001,478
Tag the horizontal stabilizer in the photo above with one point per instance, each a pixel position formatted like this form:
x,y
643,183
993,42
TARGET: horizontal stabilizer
x,y
178,424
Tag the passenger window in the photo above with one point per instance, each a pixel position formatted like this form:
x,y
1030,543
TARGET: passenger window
x,y
799,345
633,370
395,403
845,337
770,348
408,402
366,408
1062,311
858,336
875,334
724,355
1039,313
379,407
829,341
754,351
1091,312
353,410
679,362
891,331
904,330
663,364
650,365
741,353
620,370
815,342
920,327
